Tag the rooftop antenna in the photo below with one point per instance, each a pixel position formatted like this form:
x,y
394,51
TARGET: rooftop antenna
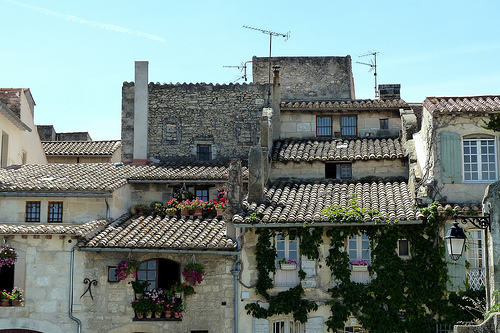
x,y
242,67
271,34
373,66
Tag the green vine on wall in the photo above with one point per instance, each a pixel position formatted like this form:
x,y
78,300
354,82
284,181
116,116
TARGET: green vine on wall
x,y
404,295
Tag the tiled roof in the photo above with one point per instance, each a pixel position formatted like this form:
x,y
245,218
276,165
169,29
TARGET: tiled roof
x,y
336,150
357,104
83,230
102,177
163,233
466,104
75,148
302,202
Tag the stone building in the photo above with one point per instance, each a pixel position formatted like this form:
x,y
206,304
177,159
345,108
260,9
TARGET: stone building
x,y
19,144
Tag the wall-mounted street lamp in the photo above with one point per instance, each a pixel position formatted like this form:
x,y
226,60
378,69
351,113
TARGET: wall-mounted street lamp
x,y
455,240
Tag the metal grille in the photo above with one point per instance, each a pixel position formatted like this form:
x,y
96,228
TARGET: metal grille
x,y
55,212
33,211
476,278
444,328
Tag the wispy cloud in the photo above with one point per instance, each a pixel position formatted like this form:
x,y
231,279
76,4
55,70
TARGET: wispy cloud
x,y
94,24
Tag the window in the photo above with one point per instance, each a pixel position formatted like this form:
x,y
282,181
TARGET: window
x,y
287,326
384,123
474,255
160,273
350,329
201,193
479,160
349,126
403,248
5,150
288,249
7,278
204,153
112,274
323,126
33,211
338,170
359,248
55,212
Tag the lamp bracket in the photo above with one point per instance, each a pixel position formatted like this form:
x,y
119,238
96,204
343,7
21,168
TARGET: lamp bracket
x,y
481,222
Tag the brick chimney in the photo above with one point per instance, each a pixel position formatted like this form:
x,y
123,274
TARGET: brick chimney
x,y
276,103
141,113
389,91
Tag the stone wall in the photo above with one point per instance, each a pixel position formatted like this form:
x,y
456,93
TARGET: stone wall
x,y
43,271
184,115
308,78
491,325
303,124
360,170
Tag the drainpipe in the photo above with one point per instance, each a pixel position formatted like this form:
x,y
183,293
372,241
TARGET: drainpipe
x,y
236,271
72,269
107,208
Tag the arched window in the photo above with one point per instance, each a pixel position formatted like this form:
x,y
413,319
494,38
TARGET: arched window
x,y
160,273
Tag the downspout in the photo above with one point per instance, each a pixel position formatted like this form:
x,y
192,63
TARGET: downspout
x,y
236,272
107,208
72,269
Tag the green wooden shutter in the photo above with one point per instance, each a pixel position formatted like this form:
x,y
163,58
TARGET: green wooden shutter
x,y
456,269
451,161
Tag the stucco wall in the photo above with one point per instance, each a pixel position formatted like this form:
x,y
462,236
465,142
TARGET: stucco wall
x,y
302,124
307,78
360,169
464,125
184,115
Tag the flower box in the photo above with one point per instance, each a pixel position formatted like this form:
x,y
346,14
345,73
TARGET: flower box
x,y
288,267
359,268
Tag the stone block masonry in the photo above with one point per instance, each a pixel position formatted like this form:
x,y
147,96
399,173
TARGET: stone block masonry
x,y
182,116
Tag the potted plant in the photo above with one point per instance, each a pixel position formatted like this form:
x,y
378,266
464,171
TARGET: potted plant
x,y
158,208
193,273
197,205
221,206
4,298
141,209
158,307
168,309
8,256
140,306
288,265
359,265
17,296
171,211
177,308
139,287
127,267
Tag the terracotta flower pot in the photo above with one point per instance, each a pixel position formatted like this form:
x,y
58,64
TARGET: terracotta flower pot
x,y
139,315
184,212
16,302
157,314
149,314
198,211
168,314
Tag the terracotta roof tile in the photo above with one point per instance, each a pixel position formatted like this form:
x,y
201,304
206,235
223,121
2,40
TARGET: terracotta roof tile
x,y
336,150
83,230
103,177
163,233
74,148
359,104
465,104
299,202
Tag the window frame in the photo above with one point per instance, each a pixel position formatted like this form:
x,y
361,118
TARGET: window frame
x,y
168,263
202,188
324,127
286,278
404,256
55,217
28,213
202,156
348,127
338,169
479,157
384,123
288,325
359,238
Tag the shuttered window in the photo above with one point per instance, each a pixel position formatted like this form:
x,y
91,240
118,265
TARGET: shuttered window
x,y
450,158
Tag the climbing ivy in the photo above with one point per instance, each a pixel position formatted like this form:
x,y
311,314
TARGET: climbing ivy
x,y
404,295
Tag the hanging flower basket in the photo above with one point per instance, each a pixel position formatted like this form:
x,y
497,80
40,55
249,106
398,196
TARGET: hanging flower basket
x,y
127,267
8,256
193,273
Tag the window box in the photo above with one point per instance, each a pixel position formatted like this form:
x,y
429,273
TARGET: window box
x,y
288,267
359,268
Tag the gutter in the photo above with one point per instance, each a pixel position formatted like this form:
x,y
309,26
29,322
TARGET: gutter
x,y
321,224
139,250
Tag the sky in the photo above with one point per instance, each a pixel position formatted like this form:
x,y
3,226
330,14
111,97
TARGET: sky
x,y
75,55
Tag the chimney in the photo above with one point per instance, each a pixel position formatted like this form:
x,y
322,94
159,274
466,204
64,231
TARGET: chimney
x,y
141,113
255,175
389,91
234,195
276,103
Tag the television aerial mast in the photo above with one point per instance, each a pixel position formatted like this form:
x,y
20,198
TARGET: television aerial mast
x,y
373,66
271,34
242,68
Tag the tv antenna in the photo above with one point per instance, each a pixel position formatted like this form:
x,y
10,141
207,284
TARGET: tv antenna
x,y
373,67
242,67
271,34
